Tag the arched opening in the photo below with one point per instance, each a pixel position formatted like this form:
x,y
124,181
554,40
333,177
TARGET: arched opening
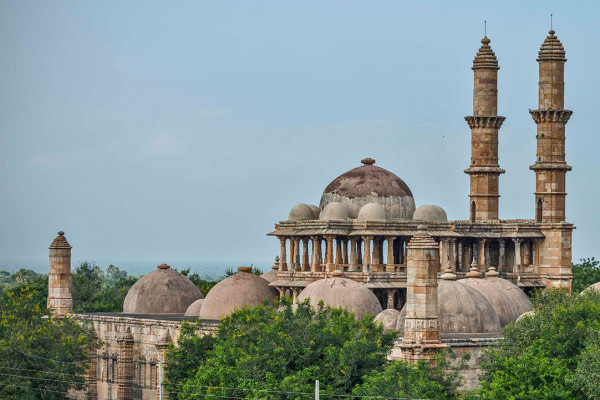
x,y
538,209
473,210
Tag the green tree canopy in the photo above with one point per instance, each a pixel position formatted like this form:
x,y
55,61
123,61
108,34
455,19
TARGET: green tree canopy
x,y
94,290
40,357
586,273
278,351
552,354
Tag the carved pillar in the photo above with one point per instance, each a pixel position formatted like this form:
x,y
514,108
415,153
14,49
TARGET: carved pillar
x,y
367,256
344,251
92,372
391,297
339,260
282,255
305,264
353,255
452,253
481,254
125,366
390,267
295,292
315,254
296,254
502,256
375,257
161,349
421,339
460,255
359,255
329,266
59,277
517,266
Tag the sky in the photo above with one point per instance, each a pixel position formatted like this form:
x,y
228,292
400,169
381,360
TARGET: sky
x,y
162,131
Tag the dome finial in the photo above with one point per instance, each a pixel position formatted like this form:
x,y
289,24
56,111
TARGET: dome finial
x,y
163,266
485,57
474,272
368,161
244,269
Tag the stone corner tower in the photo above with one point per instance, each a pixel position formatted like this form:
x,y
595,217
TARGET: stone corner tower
x,y
421,339
59,277
485,124
550,166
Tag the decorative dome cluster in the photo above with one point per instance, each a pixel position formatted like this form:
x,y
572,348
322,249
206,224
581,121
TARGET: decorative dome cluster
x,y
367,193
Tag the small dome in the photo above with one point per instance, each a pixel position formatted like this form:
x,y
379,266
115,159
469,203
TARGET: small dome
x,y
508,300
194,309
301,211
430,213
334,211
342,292
388,318
463,312
237,291
270,276
595,286
163,291
315,211
370,184
371,212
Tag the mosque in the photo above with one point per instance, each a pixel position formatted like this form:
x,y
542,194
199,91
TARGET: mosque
x,y
368,248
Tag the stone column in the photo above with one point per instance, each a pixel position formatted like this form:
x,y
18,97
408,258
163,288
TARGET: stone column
x,y
305,264
391,297
502,256
294,295
329,265
452,253
125,366
282,255
367,256
92,372
421,339
444,251
339,260
460,255
296,254
359,255
375,257
59,277
390,266
481,254
345,251
353,265
161,349
517,266
315,266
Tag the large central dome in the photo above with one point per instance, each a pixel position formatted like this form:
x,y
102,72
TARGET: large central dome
x,y
370,184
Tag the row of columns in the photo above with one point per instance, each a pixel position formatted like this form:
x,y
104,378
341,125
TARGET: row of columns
x,y
459,254
364,252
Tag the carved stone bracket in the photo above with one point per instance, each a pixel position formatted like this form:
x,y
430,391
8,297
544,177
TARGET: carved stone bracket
x,y
484,122
560,116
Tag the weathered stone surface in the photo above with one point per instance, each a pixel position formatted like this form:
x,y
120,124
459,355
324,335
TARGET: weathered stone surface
x,y
388,318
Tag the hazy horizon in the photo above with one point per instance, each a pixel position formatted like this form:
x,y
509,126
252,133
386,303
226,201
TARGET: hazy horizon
x,y
185,130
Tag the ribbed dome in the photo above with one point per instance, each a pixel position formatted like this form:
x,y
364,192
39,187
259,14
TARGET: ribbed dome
x,y
235,292
552,49
334,212
163,291
430,213
463,312
485,57
388,318
342,292
371,212
370,184
301,211
508,300
194,309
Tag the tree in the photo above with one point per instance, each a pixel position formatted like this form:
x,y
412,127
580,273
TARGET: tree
x,y
40,357
96,291
277,351
586,273
548,355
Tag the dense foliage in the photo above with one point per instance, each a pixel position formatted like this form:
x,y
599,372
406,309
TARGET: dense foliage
x,y
586,273
202,284
40,357
278,351
94,290
552,354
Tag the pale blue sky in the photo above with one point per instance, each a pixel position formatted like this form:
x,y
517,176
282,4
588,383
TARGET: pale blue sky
x,y
183,130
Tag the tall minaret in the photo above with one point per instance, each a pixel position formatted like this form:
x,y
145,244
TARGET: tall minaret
x,y
484,124
59,277
550,166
